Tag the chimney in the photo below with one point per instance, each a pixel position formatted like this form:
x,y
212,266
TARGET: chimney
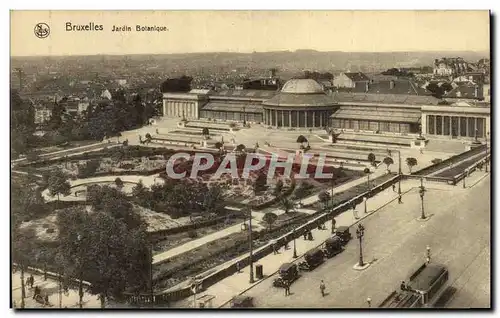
x,y
391,83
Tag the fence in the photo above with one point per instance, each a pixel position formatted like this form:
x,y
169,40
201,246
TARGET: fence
x,y
230,269
435,167
51,275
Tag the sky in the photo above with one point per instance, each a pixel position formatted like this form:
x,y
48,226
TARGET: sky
x,y
248,31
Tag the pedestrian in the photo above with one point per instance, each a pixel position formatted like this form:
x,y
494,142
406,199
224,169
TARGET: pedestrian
x,y
46,299
287,288
403,286
421,151
36,292
275,251
286,246
399,199
393,188
322,288
427,260
32,280
28,282
238,269
305,236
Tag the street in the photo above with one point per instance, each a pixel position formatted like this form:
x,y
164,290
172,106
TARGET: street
x,y
458,233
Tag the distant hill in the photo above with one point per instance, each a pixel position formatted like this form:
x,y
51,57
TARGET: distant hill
x,y
284,60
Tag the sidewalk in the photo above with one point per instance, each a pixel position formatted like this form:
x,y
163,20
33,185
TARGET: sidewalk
x,y
235,284
51,287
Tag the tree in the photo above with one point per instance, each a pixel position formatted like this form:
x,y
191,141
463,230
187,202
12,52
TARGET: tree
x,y
119,183
32,156
324,197
270,218
287,204
214,199
278,188
58,184
367,172
411,162
104,251
302,140
388,161
218,145
205,132
301,191
89,168
371,158
240,148
260,183
22,249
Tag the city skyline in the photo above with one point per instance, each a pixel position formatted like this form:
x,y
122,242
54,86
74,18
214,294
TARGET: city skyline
x,y
241,32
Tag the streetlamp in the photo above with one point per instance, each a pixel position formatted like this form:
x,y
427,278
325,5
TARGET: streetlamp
x,y
294,245
422,193
360,232
251,245
466,174
400,176
80,285
367,172
486,159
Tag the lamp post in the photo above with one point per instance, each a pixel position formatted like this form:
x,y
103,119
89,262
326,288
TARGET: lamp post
x,y
151,287
251,245
360,233
400,176
294,245
80,285
486,159
422,193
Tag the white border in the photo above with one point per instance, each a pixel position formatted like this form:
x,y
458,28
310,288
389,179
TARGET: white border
x,y
186,4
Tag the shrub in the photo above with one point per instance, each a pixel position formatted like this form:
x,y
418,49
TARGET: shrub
x,y
192,234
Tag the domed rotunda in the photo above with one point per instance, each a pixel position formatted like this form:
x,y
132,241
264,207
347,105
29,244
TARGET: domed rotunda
x,y
301,103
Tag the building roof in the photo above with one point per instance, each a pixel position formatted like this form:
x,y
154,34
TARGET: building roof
x,y
242,93
357,77
233,107
302,86
467,90
345,97
377,114
300,100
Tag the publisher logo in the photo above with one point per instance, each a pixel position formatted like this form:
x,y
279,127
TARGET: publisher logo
x,y
42,30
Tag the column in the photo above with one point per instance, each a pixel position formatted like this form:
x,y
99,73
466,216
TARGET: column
x,y
314,118
305,119
435,121
298,119
459,130
275,117
451,119
467,126
290,118
282,118
321,119
442,125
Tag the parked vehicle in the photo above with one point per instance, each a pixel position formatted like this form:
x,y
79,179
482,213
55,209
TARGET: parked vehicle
x,y
242,302
344,234
333,246
287,272
312,259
